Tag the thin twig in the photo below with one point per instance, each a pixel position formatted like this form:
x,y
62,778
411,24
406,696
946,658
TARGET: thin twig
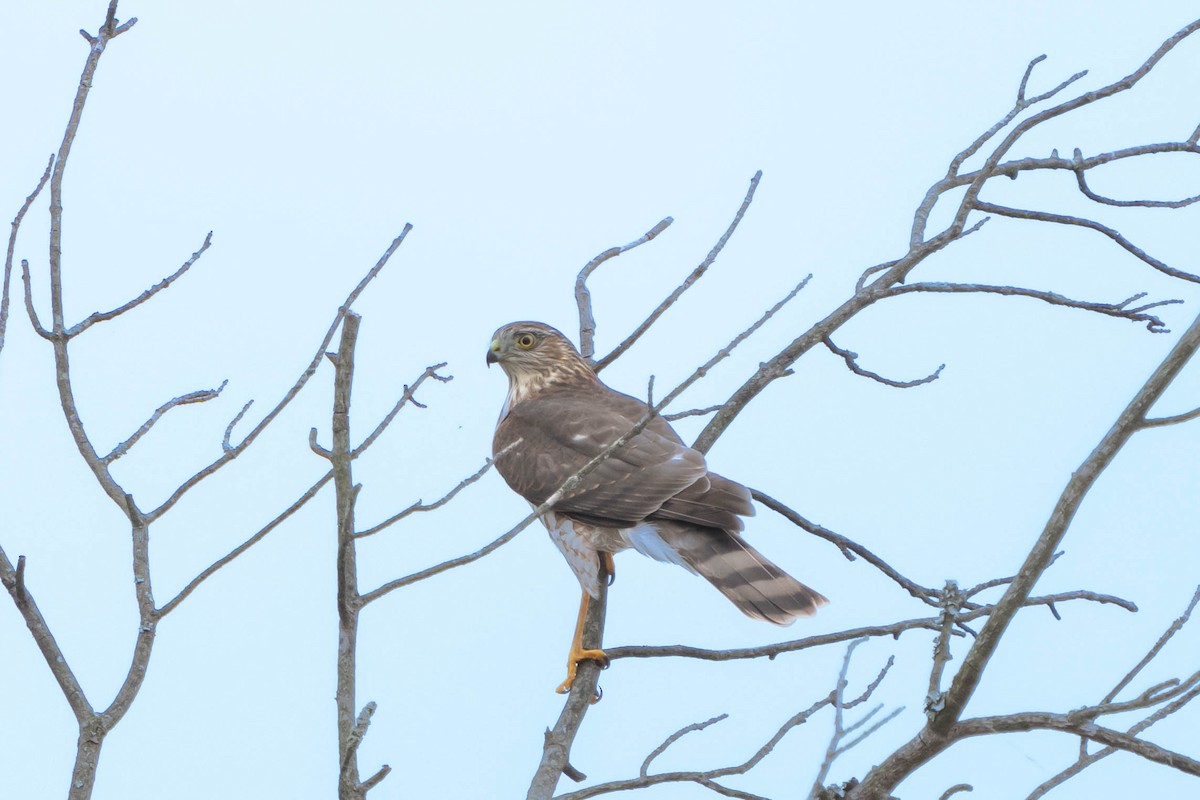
x,y
1153,652
405,398
848,547
232,451
695,275
1153,324
700,777
419,506
676,736
12,245
851,359
104,316
199,396
583,297
244,546
1080,175
695,412
1157,422
1083,222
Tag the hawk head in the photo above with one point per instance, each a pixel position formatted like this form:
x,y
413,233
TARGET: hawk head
x,y
535,356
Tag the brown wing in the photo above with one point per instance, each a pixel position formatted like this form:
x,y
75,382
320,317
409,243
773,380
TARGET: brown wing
x,y
559,431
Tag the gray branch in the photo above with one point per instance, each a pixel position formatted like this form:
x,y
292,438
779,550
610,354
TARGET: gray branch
x,y
583,297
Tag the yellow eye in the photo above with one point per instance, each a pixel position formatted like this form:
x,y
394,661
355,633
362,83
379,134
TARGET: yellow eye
x,y
525,341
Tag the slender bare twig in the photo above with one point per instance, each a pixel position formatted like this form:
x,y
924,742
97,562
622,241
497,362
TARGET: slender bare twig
x,y
405,398
695,412
44,638
583,297
851,359
955,789
694,276
1028,721
837,740
849,548
199,396
1021,104
1080,175
34,321
1156,422
1087,759
420,506
1121,310
1083,222
224,560
12,245
104,316
1153,652
699,777
231,452
676,736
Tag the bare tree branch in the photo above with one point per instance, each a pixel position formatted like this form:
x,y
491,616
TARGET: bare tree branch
x,y
583,297
1082,222
436,504
695,412
851,359
676,736
849,548
1019,723
1153,323
405,398
244,546
695,275
34,321
12,245
99,316
1153,652
837,740
1172,420
44,638
945,727
199,396
1080,175
695,777
233,451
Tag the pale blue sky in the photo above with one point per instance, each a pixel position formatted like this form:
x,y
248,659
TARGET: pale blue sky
x,y
520,140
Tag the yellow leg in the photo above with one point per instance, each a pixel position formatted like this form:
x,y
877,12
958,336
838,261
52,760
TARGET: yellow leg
x,y
577,652
610,567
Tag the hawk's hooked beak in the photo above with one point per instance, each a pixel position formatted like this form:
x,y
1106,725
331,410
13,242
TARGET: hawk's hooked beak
x,y
493,356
